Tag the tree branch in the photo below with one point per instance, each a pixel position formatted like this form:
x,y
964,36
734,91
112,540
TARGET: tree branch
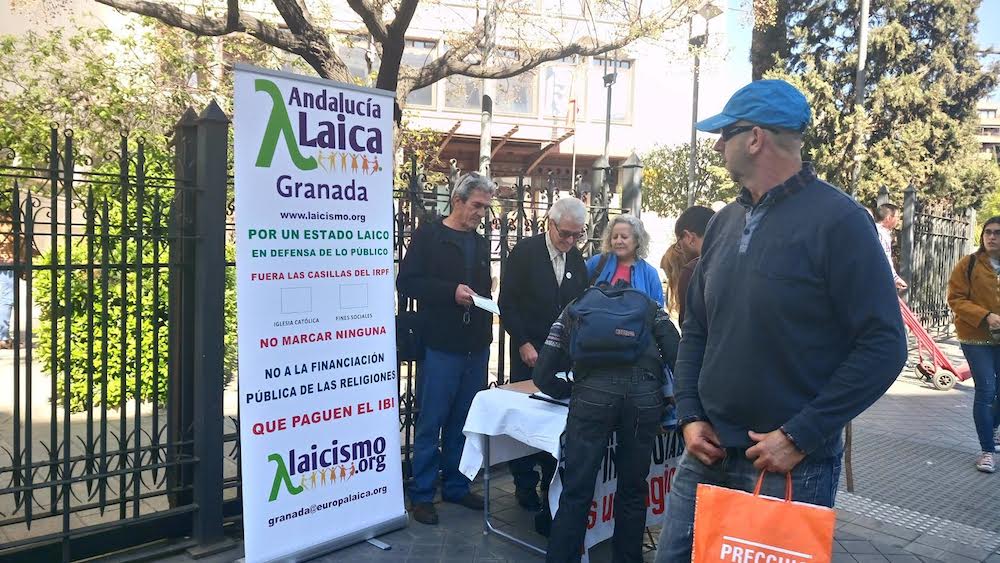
x,y
318,52
302,39
461,59
232,14
455,61
236,21
373,21
296,16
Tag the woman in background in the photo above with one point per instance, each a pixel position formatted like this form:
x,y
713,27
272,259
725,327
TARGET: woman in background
x,y
974,296
626,244
679,260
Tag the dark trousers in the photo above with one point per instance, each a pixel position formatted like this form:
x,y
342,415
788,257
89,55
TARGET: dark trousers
x,y
630,402
523,469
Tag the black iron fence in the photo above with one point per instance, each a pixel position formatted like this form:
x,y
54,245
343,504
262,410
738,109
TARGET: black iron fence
x,y
116,335
119,416
518,211
932,240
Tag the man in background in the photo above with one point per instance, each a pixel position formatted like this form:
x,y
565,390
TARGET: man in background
x,y
886,220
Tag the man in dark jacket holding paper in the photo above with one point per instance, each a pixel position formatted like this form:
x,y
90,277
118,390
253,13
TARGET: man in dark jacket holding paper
x,y
445,266
792,325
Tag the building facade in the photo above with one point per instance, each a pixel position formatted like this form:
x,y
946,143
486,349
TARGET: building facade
x,y
544,117
989,129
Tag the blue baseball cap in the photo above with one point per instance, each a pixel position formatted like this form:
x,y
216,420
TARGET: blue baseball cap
x,y
763,102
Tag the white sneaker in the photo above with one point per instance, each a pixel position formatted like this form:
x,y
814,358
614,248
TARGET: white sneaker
x,y
984,462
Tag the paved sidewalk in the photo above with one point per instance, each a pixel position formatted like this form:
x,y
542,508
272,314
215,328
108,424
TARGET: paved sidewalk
x,y
915,484
917,495
459,539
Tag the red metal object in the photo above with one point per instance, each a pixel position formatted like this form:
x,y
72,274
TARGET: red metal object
x,y
932,364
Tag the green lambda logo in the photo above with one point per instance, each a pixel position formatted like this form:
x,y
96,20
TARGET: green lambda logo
x,y
281,477
279,126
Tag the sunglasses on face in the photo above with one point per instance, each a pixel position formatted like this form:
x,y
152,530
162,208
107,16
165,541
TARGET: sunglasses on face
x,y
733,130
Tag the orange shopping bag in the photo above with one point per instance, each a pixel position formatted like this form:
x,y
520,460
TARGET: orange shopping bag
x,y
739,527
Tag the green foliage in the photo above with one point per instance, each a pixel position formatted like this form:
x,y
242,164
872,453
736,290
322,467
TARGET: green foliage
x,y
106,87
986,173
131,320
665,178
103,85
230,352
924,80
88,81
139,304
425,144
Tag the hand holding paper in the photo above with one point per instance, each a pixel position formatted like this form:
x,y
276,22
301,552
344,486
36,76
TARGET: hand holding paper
x,y
486,304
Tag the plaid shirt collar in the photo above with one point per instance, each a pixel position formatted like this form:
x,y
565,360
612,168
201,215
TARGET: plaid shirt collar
x,y
789,187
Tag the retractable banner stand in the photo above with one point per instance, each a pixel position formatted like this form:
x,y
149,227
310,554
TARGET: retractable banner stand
x,y
319,420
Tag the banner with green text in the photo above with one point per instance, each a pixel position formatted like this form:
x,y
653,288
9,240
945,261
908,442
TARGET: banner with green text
x,y
319,420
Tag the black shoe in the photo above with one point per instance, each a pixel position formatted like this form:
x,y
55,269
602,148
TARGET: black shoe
x,y
470,500
528,498
425,513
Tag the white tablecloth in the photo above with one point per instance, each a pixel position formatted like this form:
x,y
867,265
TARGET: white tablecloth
x,y
518,425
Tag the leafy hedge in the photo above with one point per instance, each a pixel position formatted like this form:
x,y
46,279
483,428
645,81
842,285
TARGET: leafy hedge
x,y
125,349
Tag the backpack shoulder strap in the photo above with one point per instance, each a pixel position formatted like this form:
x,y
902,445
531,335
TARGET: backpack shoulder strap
x,y
968,271
600,267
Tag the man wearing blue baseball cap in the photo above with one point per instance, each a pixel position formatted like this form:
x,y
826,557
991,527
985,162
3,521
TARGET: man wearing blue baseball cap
x,y
792,327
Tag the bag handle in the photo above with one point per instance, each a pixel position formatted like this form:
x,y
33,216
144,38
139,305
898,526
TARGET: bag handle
x,y
788,486
600,267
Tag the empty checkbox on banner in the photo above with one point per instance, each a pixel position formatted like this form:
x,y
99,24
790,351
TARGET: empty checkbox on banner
x,y
296,300
354,296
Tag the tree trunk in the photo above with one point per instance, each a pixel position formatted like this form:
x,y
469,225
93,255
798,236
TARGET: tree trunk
x,y
388,72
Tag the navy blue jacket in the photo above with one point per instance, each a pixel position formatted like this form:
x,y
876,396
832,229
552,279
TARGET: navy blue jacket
x,y
792,319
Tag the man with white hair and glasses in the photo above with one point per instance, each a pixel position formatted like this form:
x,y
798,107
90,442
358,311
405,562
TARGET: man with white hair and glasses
x,y
542,275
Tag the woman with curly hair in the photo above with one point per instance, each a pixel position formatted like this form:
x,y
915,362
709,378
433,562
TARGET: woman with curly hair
x,y
625,245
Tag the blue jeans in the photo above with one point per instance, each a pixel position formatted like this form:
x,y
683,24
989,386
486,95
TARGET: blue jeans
x,y
447,385
984,361
6,302
813,481
629,402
